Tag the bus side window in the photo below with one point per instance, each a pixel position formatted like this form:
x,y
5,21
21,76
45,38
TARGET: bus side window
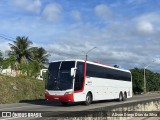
x,y
79,76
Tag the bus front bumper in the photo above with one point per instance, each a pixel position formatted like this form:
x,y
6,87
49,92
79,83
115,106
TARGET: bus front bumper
x,y
61,98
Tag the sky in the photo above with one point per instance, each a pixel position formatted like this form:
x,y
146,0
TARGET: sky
x,y
125,32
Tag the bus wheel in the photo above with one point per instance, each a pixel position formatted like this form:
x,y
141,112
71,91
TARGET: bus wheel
x,y
88,99
120,96
64,103
124,96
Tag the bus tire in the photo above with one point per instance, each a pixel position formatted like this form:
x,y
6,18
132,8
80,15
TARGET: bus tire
x,y
120,97
124,96
88,99
64,103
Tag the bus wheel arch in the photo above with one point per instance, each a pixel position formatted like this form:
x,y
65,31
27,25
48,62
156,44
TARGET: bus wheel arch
x,y
89,98
120,96
124,96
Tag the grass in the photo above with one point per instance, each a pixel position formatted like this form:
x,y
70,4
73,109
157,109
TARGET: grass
x,y
16,89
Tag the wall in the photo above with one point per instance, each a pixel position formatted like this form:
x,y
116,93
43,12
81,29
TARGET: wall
x,y
124,111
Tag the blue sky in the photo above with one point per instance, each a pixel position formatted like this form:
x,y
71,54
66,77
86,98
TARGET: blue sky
x,y
125,32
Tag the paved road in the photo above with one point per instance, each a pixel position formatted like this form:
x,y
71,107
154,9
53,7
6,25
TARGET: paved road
x,y
42,105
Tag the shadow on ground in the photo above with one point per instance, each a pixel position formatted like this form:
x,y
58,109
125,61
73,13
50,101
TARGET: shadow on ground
x,y
53,103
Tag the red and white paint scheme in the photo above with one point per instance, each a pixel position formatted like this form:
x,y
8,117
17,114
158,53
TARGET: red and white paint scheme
x,y
85,81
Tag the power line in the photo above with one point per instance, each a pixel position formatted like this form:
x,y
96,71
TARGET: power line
x,y
6,38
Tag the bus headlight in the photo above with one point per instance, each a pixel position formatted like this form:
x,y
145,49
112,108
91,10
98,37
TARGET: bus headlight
x,y
70,92
46,92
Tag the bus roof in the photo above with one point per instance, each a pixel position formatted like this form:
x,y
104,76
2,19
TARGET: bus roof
x,y
95,63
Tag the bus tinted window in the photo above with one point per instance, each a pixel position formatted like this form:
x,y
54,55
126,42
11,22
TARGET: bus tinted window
x,y
103,72
67,65
79,76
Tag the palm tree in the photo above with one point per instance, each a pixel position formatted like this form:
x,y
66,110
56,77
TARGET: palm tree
x,y
1,60
21,49
40,56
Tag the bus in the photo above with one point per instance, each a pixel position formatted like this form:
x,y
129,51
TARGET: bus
x,y
85,81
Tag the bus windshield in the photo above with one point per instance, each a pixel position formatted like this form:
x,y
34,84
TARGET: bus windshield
x,y
58,77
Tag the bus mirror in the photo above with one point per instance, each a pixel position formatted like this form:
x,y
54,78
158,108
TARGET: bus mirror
x,y
73,71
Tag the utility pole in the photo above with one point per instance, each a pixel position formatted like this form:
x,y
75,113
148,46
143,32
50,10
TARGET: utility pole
x,y
145,67
88,52
145,80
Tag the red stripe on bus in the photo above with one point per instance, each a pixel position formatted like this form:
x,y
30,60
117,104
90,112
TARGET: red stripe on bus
x,y
61,98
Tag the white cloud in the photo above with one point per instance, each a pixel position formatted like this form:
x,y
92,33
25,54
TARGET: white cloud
x,y
76,15
102,11
157,61
119,42
4,47
148,24
135,2
145,27
52,12
151,17
29,5
113,47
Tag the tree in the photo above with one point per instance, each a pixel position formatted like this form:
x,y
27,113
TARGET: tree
x,y
40,56
1,56
12,61
116,66
152,80
34,69
30,59
8,62
21,49
1,60
137,78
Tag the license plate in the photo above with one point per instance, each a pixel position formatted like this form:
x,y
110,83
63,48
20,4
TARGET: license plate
x,y
56,98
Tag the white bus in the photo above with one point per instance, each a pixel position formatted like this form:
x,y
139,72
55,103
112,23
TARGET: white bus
x,y
84,81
